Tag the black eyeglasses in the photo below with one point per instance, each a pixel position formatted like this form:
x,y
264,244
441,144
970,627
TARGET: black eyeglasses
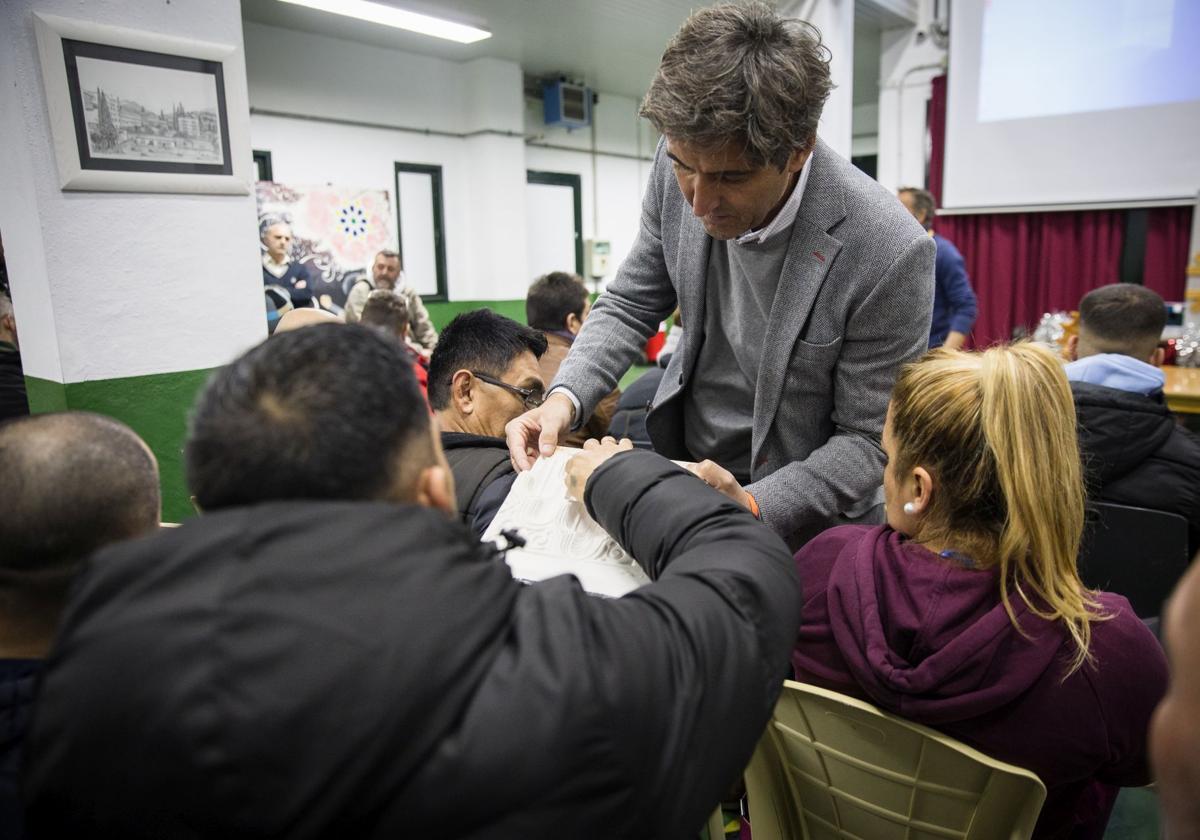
x,y
532,397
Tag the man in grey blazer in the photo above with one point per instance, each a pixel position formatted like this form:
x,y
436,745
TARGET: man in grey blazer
x,y
803,284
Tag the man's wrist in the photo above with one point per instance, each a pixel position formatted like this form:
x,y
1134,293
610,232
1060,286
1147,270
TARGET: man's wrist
x,y
572,401
752,504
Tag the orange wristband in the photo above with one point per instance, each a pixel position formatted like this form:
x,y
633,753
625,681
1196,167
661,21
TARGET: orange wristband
x,y
753,506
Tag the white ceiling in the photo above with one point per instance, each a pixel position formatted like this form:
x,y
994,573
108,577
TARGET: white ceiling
x,y
611,45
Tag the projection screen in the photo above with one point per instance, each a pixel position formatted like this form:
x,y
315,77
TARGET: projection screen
x,y
1060,102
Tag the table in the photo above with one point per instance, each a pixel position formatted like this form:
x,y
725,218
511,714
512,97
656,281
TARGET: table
x,y
1182,389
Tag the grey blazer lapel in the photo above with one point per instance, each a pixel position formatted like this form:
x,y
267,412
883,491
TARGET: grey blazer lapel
x,y
690,290
810,255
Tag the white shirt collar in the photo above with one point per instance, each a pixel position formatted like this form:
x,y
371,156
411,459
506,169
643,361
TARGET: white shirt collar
x,y
786,215
277,269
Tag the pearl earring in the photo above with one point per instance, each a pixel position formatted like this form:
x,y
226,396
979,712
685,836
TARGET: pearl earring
x,y
910,508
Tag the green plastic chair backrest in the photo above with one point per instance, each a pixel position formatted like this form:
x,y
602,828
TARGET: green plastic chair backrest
x,y
831,767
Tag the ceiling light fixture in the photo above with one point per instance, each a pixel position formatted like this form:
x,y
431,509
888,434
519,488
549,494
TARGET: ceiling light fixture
x,y
399,18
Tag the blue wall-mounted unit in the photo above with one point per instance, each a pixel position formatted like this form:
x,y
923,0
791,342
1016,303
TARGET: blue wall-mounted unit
x,y
567,105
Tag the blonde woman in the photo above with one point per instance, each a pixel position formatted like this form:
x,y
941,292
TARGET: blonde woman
x,y
965,611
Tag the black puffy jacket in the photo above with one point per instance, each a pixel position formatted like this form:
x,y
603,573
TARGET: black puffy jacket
x,y
1134,452
367,670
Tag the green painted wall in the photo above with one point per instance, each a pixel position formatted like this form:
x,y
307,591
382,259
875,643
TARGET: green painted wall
x,y
45,396
443,312
156,407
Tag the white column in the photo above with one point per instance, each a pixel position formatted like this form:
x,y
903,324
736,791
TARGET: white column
x,y
108,284
907,64
835,20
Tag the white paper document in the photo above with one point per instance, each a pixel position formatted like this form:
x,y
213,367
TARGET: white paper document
x,y
560,537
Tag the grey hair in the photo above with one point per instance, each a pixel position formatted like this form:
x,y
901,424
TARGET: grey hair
x,y
269,222
739,73
922,202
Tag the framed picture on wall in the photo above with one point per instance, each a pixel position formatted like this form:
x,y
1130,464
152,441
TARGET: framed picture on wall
x,y
137,111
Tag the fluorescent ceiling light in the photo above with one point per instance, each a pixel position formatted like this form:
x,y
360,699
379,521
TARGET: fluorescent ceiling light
x,y
399,18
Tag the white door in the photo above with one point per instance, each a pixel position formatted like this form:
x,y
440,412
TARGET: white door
x,y
551,226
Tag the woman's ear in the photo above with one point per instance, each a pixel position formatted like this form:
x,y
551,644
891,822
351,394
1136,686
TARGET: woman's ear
x,y
922,484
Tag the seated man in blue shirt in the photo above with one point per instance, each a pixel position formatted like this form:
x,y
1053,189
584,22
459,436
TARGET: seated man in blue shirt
x,y
954,303
1134,451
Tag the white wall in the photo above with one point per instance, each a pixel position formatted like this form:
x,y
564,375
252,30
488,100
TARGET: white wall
x,y
120,284
907,66
835,20
480,108
309,74
612,179
866,129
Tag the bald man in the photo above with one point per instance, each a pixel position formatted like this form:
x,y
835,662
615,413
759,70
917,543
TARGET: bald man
x,y
69,484
1175,728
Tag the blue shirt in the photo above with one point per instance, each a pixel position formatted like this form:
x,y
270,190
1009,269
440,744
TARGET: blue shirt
x,y
953,300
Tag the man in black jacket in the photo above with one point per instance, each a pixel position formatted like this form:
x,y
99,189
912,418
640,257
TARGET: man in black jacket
x,y
69,484
1134,451
327,652
483,373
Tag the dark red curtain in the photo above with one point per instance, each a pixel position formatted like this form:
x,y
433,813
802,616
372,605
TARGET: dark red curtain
x,y
1023,265
937,137
1167,241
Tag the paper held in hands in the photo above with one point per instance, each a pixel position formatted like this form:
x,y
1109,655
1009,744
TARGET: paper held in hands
x,y
560,537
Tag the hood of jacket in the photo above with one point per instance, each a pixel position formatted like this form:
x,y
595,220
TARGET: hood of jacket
x,y
284,668
927,637
1116,370
1119,429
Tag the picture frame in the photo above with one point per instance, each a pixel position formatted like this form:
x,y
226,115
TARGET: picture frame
x,y
134,111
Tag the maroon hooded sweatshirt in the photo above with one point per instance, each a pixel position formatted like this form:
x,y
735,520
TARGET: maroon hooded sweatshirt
x,y
928,638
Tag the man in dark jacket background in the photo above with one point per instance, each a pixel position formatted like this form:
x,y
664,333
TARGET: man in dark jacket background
x,y
557,304
1134,451
483,373
69,484
327,652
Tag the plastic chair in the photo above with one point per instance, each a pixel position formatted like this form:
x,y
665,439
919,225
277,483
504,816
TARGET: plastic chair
x,y
831,766
1135,552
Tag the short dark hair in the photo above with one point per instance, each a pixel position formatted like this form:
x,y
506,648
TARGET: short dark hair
x,y
737,72
922,202
1123,318
553,297
386,310
478,340
318,413
70,483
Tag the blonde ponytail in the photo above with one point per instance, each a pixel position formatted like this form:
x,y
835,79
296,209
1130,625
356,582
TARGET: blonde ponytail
x,y
997,430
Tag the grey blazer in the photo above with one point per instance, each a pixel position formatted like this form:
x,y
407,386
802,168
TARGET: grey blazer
x,y
853,304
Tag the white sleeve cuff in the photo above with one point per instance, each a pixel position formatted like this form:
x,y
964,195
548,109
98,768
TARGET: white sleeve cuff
x,y
562,389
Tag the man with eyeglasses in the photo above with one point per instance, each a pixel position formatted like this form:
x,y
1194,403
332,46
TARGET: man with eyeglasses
x,y
483,373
